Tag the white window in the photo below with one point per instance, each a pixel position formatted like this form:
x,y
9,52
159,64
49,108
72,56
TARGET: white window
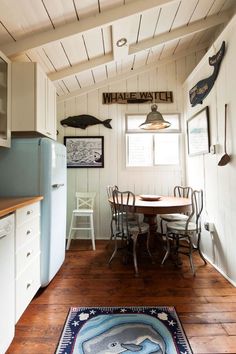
x,y
151,148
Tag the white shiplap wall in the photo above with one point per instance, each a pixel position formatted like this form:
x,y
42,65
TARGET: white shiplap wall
x,y
158,180
217,182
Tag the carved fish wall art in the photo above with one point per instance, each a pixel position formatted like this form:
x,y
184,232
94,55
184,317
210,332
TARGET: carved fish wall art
x,y
83,121
199,92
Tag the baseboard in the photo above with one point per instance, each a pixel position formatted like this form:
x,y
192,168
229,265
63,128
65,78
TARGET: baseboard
x,y
220,271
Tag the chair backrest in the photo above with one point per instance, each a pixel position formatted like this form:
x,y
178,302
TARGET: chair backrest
x,y
184,192
85,200
110,189
124,209
197,206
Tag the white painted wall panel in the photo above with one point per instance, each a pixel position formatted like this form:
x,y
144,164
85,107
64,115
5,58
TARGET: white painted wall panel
x,y
158,180
217,182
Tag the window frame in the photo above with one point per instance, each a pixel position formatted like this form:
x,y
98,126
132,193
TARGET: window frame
x,y
177,131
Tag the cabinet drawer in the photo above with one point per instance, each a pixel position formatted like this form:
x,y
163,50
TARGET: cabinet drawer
x,y
27,285
27,231
26,213
26,254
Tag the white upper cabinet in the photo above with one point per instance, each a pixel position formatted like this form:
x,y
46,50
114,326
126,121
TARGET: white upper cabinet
x,y
5,104
33,101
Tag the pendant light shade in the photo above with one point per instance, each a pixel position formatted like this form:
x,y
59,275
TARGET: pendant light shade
x,y
154,120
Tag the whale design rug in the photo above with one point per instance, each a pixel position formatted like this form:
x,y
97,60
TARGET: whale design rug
x,y
115,330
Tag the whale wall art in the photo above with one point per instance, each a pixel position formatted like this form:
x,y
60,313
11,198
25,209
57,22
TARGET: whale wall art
x,y
83,121
199,92
140,330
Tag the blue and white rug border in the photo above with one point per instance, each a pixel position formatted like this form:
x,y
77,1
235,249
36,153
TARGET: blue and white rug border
x,y
65,337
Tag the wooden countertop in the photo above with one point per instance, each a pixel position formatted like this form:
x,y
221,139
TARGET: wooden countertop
x,y
9,205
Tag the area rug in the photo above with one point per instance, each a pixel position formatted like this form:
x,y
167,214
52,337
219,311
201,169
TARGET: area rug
x,y
114,330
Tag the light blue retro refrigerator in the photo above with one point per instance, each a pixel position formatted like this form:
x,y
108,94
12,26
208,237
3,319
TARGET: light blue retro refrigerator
x,y
37,166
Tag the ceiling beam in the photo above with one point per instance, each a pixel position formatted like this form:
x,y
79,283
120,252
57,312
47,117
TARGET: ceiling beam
x,y
75,69
181,32
120,32
127,75
102,19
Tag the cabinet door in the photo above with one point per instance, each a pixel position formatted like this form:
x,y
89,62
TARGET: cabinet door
x,y
41,101
51,110
5,133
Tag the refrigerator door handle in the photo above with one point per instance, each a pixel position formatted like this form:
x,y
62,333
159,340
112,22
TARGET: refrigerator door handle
x,y
57,185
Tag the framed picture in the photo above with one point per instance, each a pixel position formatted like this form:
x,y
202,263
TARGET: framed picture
x,y
84,151
198,133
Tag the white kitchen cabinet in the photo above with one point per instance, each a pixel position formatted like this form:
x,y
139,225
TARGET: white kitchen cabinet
x,y
7,303
5,101
27,256
33,101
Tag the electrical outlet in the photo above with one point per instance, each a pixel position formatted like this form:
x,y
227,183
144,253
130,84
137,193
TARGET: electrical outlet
x,y
209,226
213,149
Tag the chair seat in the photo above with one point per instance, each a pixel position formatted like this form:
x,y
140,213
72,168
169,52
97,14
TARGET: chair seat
x,y
173,217
179,226
82,211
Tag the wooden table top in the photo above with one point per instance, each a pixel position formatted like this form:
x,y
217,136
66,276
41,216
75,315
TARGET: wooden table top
x,y
9,205
165,205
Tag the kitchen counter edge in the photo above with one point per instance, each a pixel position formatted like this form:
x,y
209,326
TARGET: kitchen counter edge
x,y
10,205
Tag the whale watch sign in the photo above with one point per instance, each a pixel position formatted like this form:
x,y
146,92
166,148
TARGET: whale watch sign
x,y
137,97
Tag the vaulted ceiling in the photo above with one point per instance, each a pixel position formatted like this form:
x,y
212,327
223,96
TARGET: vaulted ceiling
x,y
77,41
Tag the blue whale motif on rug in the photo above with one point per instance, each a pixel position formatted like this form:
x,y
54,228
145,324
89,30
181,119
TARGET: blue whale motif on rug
x,y
140,330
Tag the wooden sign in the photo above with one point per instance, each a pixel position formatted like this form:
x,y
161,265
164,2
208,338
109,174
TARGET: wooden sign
x,y
137,97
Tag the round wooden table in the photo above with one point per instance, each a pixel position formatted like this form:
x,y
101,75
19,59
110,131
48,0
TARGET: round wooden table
x,y
165,205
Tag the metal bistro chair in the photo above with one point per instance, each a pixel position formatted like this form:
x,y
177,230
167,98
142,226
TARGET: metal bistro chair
x,y
187,231
179,191
110,190
84,209
128,226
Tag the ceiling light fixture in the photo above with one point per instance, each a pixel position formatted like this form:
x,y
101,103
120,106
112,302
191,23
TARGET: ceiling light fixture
x,y
121,42
154,120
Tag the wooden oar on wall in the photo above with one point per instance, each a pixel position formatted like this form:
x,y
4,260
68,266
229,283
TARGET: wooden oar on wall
x,y
225,158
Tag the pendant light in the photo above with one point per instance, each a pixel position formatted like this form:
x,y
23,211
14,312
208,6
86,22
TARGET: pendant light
x,y
154,120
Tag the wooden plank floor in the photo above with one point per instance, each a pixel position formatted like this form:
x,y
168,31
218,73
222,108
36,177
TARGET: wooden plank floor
x,y
206,303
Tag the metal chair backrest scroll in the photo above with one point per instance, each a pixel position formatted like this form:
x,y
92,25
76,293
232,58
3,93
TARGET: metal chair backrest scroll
x,y
184,192
197,207
124,210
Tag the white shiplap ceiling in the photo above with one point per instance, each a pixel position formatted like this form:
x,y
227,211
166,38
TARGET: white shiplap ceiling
x,y
75,40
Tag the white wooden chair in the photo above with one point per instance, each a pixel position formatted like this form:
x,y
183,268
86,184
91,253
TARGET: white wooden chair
x,y
84,211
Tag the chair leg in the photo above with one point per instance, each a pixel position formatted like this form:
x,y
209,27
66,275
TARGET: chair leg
x,y
167,250
199,250
92,232
112,234
148,248
161,224
134,237
115,250
190,256
70,233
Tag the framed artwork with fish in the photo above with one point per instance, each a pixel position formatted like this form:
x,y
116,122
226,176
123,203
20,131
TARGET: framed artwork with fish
x,y
198,133
84,151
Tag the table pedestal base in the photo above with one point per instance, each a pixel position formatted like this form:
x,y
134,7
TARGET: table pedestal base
x,y
151,220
